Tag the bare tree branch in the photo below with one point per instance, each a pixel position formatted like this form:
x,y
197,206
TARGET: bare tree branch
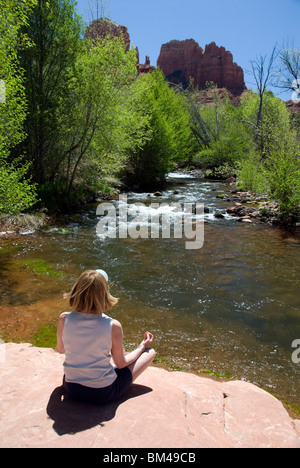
x,y
288,77
262,75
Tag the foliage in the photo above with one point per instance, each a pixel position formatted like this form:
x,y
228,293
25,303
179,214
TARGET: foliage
x,y
99,84
274,167
77,116
284,180
75,95
13,16
54,29
16,192
229,138
160,132
253,175
91,119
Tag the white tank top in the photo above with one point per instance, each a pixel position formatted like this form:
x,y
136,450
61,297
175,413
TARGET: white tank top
x,y
87,341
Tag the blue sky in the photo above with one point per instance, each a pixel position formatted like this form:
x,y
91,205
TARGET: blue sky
x,y
248,28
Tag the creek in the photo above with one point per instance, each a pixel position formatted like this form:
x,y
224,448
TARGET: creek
x,y
231,307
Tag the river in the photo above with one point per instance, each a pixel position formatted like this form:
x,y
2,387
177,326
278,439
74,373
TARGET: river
x,y
231,307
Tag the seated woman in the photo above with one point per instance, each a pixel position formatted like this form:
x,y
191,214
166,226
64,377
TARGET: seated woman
x,y
89,339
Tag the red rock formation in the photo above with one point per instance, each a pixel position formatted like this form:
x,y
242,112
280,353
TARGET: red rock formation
x,y
101,28
182,60
145,68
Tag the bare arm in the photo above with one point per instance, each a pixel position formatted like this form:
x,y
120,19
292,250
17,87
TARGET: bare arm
x,y
60,328
120,359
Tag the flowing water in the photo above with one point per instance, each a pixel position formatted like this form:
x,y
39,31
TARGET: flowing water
x,y
231,307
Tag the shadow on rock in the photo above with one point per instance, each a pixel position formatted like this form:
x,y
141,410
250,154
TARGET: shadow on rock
x,y
71,417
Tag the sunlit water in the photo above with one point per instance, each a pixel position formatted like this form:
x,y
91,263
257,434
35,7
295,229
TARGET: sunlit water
x,y
232,306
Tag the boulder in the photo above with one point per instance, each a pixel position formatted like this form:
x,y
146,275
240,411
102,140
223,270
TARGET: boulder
x,y
161,410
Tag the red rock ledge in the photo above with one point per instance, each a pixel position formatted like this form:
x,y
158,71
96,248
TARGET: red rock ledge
x,y
162,410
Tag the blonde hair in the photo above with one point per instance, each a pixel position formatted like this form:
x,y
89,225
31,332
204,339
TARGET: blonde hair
x,y
90,294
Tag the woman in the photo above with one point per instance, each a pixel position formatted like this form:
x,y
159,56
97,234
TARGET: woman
x,y
89,339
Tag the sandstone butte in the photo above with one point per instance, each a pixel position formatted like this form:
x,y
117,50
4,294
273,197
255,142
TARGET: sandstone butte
x,y
182,60
162,409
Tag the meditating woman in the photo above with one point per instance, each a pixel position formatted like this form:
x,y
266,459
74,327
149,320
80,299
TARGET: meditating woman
x,y
90,341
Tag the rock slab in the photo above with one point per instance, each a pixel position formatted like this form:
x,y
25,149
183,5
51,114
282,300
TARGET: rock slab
x,y
161,410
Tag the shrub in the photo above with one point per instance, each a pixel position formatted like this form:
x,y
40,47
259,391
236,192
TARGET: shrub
x,y
16,193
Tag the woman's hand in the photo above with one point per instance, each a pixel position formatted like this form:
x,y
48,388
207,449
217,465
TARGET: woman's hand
x,y
147,341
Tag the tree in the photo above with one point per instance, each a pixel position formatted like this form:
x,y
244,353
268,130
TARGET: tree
x,y
288,77
197,123
262,75
275,168
160,134
16,192
13,16
54,29
93,112
228,137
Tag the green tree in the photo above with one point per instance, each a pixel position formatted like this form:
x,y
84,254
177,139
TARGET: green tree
x,y
160,134
92,142
13,16
274,167
54,29
16,193
229,138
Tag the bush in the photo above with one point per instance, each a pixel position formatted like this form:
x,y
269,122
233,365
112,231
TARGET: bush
x,y
252,175
16,193
284,181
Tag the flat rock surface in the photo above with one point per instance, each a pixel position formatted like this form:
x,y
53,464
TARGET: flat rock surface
x,y
161,410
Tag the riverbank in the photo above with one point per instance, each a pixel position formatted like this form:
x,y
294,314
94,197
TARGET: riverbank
x,y
243,205
23,224
161,410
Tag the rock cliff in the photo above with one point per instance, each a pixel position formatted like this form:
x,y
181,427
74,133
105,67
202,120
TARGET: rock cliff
x,y
161,410
182,60
101,28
